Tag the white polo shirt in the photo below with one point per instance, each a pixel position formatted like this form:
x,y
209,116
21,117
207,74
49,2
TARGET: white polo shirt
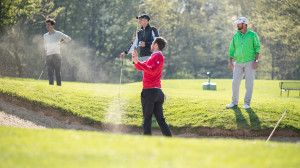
x,y
52,42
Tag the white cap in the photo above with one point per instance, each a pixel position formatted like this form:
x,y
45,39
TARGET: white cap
x,y
241,20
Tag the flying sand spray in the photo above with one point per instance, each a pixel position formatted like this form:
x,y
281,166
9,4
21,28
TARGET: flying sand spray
x,y
114,111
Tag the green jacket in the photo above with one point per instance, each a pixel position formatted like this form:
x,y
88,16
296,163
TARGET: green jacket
x,y
244,46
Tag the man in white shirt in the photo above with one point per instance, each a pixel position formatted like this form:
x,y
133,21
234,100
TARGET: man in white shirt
x,y
53,39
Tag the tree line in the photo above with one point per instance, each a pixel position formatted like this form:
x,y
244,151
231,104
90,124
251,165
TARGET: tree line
x,y
199,33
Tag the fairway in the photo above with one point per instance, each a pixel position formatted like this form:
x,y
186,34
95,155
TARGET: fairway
x,y
61,148
188,106
123,84
189,110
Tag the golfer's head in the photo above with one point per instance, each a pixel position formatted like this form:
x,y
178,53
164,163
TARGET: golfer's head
x,y
50,23
241,23
143,19
158,43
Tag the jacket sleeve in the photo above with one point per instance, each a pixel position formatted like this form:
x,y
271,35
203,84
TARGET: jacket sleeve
x,y
154,33
151,69
256,43
232,49
64,37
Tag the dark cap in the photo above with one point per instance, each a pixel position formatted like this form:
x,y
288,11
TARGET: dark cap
x,y
143,16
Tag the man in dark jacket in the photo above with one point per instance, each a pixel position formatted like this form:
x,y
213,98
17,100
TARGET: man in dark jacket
x,y
144,39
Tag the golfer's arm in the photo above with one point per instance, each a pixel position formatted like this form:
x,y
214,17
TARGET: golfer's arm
x,y
64,37
256,56
231,51
154,34
230,60
146,68
137,66
151,69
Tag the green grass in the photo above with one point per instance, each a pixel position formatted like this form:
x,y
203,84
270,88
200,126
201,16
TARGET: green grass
x,y
188,105
65,148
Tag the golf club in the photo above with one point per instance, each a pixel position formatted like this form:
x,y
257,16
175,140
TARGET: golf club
x,y
121,77
137,28
42,72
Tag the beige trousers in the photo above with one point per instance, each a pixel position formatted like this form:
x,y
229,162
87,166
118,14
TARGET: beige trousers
x,y
240,70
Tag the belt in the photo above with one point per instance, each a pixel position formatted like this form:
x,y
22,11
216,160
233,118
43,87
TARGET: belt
x,y
53,54
152,88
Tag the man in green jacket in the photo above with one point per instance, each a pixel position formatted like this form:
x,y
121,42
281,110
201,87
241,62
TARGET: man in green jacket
x,y
245,47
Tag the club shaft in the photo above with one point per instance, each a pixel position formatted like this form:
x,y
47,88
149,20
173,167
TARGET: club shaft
x,y
41,74
121,78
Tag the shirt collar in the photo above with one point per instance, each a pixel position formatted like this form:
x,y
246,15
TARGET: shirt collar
x,y
157,52
148,26
54,31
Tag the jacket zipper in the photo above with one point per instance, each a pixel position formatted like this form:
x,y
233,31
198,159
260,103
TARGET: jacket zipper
x,y
242,47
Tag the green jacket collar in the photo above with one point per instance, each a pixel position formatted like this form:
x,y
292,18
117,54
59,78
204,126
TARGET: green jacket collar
x,y
248,30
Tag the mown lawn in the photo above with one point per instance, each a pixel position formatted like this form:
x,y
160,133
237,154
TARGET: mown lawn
x,y
65,148
188,105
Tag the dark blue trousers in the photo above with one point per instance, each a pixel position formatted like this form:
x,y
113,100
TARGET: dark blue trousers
x,y
152,101
53,63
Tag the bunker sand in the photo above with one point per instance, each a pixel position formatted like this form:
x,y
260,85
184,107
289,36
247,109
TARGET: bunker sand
x,y
16,113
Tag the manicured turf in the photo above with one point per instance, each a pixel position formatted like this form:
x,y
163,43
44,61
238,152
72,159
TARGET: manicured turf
x,y
188,105
65,148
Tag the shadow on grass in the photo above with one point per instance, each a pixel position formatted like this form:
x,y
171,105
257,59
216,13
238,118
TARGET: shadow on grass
x,y
241,121
254,120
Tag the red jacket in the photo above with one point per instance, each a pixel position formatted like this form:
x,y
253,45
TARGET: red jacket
x,y
152,68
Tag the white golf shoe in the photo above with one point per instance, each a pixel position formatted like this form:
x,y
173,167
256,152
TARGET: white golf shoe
x,y
246,106
231,105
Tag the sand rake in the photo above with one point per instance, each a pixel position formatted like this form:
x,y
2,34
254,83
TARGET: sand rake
x,y
276,126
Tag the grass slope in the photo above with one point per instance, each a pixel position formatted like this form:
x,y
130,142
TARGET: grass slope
x,y
188,105
66,148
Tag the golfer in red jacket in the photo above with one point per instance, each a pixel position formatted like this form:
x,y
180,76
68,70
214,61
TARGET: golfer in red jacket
x,y
152,97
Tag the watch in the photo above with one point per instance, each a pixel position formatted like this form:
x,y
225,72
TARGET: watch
x,y
256,61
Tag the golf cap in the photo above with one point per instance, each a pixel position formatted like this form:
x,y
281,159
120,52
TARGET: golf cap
x,y
241,20
144,16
